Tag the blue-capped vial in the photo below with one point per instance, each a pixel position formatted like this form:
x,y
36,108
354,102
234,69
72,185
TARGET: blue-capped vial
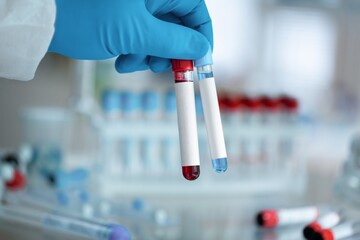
x,y
130,104
211,112
150,104
111,103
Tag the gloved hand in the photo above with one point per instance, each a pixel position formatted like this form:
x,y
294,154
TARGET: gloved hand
x,y
141,33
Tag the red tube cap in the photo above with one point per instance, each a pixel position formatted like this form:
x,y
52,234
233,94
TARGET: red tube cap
x,y
327,234
232,104
182,65
267,218
288,103
311,229
269,104
18,181
251,104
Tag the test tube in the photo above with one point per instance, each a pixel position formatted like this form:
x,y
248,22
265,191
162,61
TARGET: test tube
x,y
288,114
271,218
150,105
326,221
169,144
65,223
17,182
211,112
186,113
111,104
129,144
149,145
18,179
269,117
342,231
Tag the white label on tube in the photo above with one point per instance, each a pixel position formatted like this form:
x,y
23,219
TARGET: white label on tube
x,y
212,118
343,231
329,220
297,215
185,104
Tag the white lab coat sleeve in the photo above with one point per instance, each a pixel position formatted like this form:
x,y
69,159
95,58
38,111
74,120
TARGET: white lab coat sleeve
x,y
26,30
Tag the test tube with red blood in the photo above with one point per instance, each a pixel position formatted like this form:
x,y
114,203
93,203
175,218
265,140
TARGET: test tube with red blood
x,y
250,109
248,147
345,230
17,182
288,107
269,117
186,114
269,108
325,221
232,109
272,218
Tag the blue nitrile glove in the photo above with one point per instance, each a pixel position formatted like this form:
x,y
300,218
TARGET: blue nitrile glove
x,y
141,33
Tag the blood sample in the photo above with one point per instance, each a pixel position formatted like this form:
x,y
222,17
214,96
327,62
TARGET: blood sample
x,y
272,218
342,231
211,112
186,113
327,220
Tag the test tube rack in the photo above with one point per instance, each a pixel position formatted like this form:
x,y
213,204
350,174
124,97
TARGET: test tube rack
x,y
140,149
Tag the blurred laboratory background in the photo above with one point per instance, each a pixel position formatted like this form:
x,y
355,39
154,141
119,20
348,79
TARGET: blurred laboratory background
x,y
103,145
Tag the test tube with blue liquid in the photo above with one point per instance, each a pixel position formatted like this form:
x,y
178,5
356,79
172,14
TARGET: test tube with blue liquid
x,y
211,112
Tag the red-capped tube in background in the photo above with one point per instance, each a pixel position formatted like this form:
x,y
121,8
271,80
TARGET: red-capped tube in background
x,y
267,219
18,181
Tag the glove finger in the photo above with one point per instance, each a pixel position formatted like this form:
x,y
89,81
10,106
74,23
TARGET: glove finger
x,y
131,63
177,7
158,65
169,17
172,41
199,19
193,14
